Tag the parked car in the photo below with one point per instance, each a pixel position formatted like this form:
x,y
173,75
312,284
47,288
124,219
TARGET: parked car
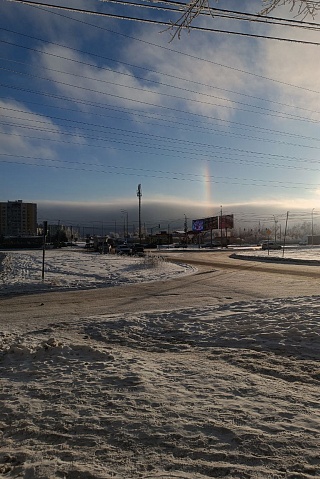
x,y
215,244
138,249
151,246
123,249
270,245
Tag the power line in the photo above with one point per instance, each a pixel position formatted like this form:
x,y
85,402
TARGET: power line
x,y
152,44
181,7
153,81
130,75
196,115
242,15
169,172
218,179
121,131
163,23
264,111
204,117
166,123
195,155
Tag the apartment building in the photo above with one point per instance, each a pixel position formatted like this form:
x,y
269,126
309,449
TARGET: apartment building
x,y
18,218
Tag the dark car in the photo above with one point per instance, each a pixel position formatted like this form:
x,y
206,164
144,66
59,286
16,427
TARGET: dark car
x,y
180,245
151,246
123,249
210,245
138,249
270,245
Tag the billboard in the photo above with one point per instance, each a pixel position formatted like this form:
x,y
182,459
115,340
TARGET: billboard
x,y
211,223
225,221
205,224
197,225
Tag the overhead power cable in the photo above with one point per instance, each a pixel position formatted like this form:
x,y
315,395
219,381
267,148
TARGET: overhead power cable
x,y
165,108
169,5
93,54
180,7
119,130
163,23
264,111
95,126
210,179
150,147
166,122
195,155
146,79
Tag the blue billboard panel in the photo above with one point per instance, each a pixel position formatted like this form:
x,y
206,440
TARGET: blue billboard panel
x,y
197,225
205,224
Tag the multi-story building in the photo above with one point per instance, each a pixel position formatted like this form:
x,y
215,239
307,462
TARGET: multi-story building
x,y
18,218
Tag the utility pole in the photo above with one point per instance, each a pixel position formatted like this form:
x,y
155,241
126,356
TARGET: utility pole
x,y
126,226
312,226
285,234
186,228
139,195
275,229
221,225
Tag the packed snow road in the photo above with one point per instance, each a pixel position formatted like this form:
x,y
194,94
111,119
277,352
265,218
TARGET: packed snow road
x,y
219,280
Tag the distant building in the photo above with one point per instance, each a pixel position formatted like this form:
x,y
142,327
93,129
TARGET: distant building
x,y
18,218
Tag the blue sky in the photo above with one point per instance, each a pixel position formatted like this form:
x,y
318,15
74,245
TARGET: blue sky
x,y
93,106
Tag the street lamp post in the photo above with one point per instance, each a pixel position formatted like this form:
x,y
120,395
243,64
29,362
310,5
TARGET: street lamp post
x,y
275,229
186,229
312,226
126,232
221,225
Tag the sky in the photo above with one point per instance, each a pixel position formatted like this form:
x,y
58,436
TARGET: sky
x,y
92,106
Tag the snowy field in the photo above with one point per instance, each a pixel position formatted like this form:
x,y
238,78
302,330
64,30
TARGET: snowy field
x,y
228,391
21,271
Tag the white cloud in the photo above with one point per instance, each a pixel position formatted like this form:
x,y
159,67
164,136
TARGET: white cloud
x,y
23,131
198,86
195,65
295,69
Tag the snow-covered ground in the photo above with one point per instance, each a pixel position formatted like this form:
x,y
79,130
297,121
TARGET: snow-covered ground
x,y
300,254
76,268
206,392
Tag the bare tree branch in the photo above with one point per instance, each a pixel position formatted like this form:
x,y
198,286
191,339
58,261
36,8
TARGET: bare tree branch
x,y
192,11
303,8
